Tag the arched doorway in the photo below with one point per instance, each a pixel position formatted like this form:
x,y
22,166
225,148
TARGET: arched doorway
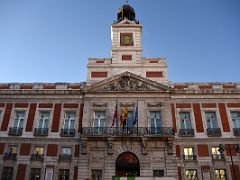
x,y
127,164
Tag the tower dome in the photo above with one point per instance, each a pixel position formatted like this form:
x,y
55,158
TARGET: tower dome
x,y
126,12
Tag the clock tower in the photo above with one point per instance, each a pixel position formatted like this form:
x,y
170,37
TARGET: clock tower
x,y
126,34
126,53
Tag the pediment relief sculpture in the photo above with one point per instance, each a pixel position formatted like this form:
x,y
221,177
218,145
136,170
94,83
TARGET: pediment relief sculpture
x,y
128,82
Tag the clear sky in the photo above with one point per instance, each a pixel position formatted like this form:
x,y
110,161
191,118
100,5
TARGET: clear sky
x,y
51,40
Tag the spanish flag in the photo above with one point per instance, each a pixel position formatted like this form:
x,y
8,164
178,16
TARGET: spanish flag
x,y
124,116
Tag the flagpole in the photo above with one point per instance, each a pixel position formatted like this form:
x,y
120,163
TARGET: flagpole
x,y
137,117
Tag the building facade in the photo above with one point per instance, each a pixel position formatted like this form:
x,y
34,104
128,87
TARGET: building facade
x,y
126,120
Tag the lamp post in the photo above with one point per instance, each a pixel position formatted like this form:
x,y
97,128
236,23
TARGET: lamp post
x,y
229,148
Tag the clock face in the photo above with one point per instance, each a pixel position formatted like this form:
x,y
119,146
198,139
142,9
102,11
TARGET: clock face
x,y
126,39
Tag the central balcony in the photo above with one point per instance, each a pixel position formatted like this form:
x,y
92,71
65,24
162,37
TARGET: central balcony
x,y
120,132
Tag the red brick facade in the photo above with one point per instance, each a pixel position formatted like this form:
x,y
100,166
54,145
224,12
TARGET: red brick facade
x,y
6,116
56,117
198,117
202,150
52,150
25,149
31,116
154,74
98,74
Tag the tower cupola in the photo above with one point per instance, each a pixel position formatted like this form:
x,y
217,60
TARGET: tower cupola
x,y
126,12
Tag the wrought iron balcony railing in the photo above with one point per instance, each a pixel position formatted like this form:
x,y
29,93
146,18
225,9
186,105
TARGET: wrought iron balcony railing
x,y
213,131
67,132
236,131
40,132
218,157
65,157
36,157
15,131
189,157
186,132
141,131
10,156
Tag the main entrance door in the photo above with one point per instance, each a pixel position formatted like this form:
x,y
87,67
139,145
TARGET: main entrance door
x,y
127,164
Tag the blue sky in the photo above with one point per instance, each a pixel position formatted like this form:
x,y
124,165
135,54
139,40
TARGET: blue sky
x,y
51,40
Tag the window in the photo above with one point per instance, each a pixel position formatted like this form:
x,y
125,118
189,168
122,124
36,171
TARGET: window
x,y
185,120
39,150
235,115
158,173
69,120
19,118
11,153
67,150
188,153
66,153
99,119
64,174
220,174
12,149
43,119
216,155
96,174
7,173
212,124
211,119
35,174
155,117
38,154
191,174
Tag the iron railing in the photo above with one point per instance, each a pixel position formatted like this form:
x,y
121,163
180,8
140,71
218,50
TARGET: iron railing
x,y
40,132
218,157
186,132
36,157
65,157
141,131
190,157
213,131
236,131
10,156
67,132
15,131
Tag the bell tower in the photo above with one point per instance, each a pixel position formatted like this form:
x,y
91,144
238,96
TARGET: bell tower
x,y
126,52
126,35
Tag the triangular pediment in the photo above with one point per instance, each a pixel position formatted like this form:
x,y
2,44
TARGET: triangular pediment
x,y
128,82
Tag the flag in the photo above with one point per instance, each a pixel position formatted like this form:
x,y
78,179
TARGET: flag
x,y
124,116
114,116
136,115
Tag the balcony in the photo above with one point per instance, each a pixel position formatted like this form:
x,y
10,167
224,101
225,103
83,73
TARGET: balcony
x,y
213,131
40,132
15,131
65,157
236,131
189,157
186,132
36,157
120,132
10,156
218,157
67,132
